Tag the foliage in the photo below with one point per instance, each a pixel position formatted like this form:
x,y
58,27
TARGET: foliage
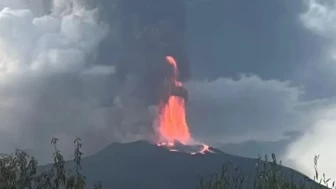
x,y
19,171
270,175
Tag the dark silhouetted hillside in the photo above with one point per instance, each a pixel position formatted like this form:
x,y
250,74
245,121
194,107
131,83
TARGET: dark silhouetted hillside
x,y
143,165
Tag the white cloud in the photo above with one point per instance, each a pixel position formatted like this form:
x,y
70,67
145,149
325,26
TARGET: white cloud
x,y
47,43
320,17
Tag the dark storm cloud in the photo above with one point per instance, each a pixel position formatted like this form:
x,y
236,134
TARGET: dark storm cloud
x,y
144,32
265,38
248,108
281,42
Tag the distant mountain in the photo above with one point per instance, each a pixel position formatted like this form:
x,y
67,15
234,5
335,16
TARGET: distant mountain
x,y
142,165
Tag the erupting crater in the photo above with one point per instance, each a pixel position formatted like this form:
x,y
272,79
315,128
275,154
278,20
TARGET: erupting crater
x,y
187,148
173,129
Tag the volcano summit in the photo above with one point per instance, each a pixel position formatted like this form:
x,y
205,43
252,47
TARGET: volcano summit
x,y
143,165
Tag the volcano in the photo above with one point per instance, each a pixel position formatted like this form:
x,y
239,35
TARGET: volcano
x,y
143,165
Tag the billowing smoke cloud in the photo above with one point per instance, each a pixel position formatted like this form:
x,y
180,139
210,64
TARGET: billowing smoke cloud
x,y
57,74
319,139
51,84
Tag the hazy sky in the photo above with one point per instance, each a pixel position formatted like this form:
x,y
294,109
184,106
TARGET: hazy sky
x,y
262,79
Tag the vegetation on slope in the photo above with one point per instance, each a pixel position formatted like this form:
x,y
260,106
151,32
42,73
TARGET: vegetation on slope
x,y
19,171
270,175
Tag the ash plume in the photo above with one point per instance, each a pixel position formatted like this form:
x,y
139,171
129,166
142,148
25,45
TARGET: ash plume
x,y
148,39
47,76
74,68
141,42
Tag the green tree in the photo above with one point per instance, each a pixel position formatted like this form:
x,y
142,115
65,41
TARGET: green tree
x,y
19,171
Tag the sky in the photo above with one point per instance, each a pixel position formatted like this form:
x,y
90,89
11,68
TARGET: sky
x,y
262,79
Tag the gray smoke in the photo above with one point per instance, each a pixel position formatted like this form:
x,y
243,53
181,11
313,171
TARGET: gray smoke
x,y
53,85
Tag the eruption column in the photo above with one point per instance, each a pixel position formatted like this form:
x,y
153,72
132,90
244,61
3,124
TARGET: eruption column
x,y
173,123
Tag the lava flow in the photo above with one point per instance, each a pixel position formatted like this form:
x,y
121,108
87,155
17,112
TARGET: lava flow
x,y
173,126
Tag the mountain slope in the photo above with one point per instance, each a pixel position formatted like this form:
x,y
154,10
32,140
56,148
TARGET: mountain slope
x,y
143,165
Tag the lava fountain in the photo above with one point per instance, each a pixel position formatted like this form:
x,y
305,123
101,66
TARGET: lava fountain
x,y
172,118
173,126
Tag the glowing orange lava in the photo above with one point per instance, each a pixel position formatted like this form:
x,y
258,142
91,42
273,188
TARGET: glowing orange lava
x,y
173,126
205,149
173,123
